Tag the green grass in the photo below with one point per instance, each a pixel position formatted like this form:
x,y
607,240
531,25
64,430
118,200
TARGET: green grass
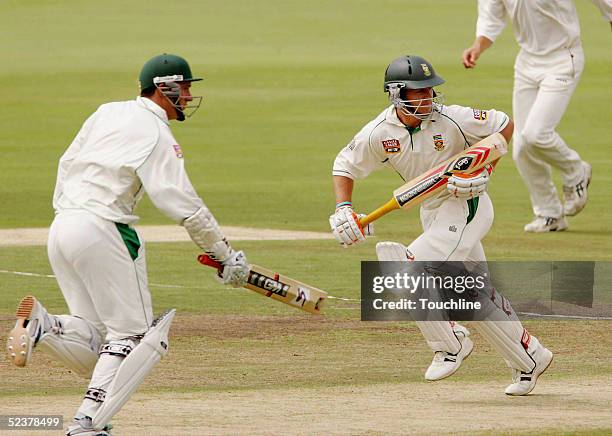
x,y
287,84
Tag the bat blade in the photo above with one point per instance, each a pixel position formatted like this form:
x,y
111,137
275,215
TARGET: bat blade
x,y
280,288
433,181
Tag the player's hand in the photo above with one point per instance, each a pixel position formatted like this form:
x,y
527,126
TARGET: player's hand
x,y
470,56
346,228
469,185
235,270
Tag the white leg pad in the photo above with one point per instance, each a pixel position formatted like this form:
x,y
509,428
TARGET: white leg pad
x,y
75,344
134,368
391,252
512,342
440,335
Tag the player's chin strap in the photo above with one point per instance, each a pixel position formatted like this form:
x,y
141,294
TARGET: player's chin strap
x,y
134,368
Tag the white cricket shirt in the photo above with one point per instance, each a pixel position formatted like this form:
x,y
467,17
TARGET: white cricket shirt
x,y
387,142
540,26
122,150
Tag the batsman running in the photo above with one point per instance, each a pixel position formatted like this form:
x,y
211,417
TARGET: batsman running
x,y
122,151
413,135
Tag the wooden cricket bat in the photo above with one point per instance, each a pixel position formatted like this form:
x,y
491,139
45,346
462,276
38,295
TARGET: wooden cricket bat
x,y
280,288
433,181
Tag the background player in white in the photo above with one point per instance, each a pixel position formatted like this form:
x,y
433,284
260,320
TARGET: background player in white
x,y
411,136
123,150
546,73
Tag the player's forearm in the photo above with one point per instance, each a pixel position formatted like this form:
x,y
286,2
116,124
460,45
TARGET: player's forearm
x,y
482,43
343,188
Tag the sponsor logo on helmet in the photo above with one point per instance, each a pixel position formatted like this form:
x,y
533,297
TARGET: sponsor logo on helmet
x,y
426,70
178,151
391,146
438,142
480,115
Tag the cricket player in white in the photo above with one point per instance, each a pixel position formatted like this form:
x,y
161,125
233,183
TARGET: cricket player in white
x,y
546,73
122,151
411,136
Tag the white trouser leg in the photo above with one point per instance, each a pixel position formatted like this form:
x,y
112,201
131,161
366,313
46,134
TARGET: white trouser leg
x,y
449,236
103,279
542,91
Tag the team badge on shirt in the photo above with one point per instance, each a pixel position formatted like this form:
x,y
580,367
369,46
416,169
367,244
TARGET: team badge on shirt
x,y
178,151
438,142
391,146
480,115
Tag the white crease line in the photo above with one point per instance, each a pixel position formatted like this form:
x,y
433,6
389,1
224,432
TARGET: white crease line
x,y
539,315
157,285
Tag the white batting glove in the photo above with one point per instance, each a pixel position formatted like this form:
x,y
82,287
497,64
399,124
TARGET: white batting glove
x,y
346,228
469,185
235,270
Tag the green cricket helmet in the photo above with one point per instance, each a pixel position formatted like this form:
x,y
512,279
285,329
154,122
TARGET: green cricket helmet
x,y
162,66
165,72
412,72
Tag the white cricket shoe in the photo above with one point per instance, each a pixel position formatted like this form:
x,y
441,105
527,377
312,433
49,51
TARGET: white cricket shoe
x,y
83,427
32,322
576,196
524,382
445,364
542,224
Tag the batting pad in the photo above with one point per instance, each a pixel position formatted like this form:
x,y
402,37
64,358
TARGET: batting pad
x,y
512,342
76,344
134,368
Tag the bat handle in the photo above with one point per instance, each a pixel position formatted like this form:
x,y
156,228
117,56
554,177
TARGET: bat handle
x,y
205,259
382,210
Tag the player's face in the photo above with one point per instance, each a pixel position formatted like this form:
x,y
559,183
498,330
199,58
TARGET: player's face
x,y
185,96
420,99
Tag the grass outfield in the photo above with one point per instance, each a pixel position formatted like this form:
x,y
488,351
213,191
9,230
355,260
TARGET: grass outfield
x,y
287,85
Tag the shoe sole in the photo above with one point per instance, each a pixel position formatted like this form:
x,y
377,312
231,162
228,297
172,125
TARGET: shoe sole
x,y
460,363
589,177
536,376
18,344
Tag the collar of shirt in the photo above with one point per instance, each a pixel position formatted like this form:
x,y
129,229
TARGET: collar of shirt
x,y
391,117
150,105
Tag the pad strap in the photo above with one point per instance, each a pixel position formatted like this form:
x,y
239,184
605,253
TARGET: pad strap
x,y
206,233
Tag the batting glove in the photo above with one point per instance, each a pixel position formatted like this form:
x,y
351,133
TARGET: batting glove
x,y
235,270
346,228
469,185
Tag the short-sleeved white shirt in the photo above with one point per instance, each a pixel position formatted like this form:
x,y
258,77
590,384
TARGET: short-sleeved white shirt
x,y
122,150
387,142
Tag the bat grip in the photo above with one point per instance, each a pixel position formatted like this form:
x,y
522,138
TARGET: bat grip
x,y
383,210
205,259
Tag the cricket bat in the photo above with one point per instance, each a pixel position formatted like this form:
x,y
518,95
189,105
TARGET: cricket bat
x,y
433,181
280,288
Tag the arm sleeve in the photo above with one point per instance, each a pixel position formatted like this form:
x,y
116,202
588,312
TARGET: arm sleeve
x,y
491,19
360,157
477,124
69,155
605,6
165,179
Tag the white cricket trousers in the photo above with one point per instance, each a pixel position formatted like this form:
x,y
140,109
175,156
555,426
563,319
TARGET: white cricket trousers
x,y
101,269
543,87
